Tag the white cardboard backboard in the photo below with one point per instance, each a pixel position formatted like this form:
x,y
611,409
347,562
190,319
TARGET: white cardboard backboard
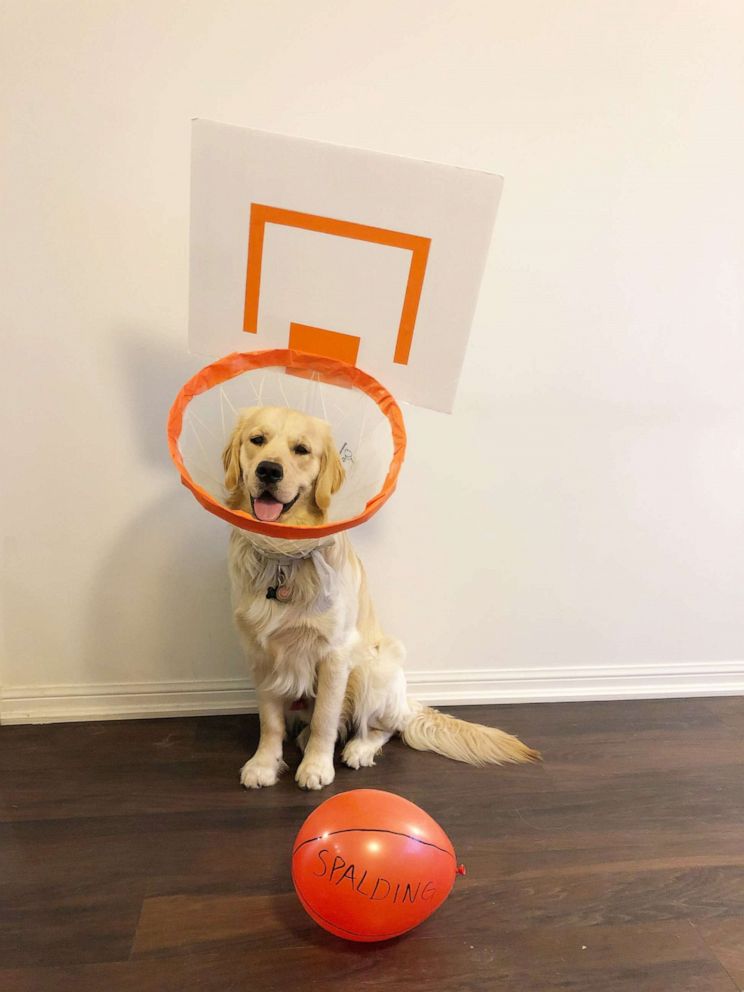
x,y
367,257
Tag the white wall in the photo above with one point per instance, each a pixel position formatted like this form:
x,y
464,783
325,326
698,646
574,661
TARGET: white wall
x,y
575,529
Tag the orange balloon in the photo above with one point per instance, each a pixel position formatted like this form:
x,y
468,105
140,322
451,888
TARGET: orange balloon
x,y
370,865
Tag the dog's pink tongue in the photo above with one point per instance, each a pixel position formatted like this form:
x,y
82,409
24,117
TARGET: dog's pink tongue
x,y
266,508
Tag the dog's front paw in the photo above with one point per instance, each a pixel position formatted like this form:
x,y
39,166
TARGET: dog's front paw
x,y
315,772
259,772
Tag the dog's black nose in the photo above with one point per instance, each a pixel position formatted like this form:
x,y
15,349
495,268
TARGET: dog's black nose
x,y
270,472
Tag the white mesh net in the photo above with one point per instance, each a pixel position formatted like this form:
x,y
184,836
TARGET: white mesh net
x,y
360,429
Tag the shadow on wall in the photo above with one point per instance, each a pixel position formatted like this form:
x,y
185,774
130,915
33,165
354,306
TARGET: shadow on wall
x,y
153,375
159,609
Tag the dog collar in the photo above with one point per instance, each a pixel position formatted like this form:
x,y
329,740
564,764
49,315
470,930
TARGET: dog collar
x,y
281,592
328,579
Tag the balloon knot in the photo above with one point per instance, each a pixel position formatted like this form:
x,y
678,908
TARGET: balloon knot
x,y
461,870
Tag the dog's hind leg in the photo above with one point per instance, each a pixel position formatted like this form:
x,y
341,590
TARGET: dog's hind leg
x,y
360,751
376,703
302,738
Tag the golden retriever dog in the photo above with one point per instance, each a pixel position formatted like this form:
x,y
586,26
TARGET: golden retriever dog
x,y
307,623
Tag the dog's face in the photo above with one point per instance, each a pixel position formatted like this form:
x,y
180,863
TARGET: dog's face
x,y
281,465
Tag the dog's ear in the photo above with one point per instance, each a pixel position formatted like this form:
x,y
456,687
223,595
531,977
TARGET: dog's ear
x,y
231,457
331,476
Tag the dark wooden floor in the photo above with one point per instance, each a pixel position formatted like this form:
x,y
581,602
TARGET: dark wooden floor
x,y
130,859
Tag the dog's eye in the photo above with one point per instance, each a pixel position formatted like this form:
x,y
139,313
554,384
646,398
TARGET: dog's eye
x,y
301,449
258,440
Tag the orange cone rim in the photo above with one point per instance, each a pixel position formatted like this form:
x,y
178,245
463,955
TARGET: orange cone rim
x,y
331,369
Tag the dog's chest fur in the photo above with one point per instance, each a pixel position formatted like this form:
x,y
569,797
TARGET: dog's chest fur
x,y
288,639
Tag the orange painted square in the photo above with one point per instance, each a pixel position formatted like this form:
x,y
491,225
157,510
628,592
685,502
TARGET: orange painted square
x,y
319,341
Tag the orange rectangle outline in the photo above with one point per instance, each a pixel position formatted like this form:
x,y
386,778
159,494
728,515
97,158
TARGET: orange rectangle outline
x,y
263,214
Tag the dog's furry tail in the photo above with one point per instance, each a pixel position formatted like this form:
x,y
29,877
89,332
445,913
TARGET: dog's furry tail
x,y
430,730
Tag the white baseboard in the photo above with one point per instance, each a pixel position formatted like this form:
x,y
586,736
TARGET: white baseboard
x,y
129,701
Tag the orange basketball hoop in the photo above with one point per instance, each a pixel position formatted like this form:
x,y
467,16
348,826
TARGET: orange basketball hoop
x,y
366,422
